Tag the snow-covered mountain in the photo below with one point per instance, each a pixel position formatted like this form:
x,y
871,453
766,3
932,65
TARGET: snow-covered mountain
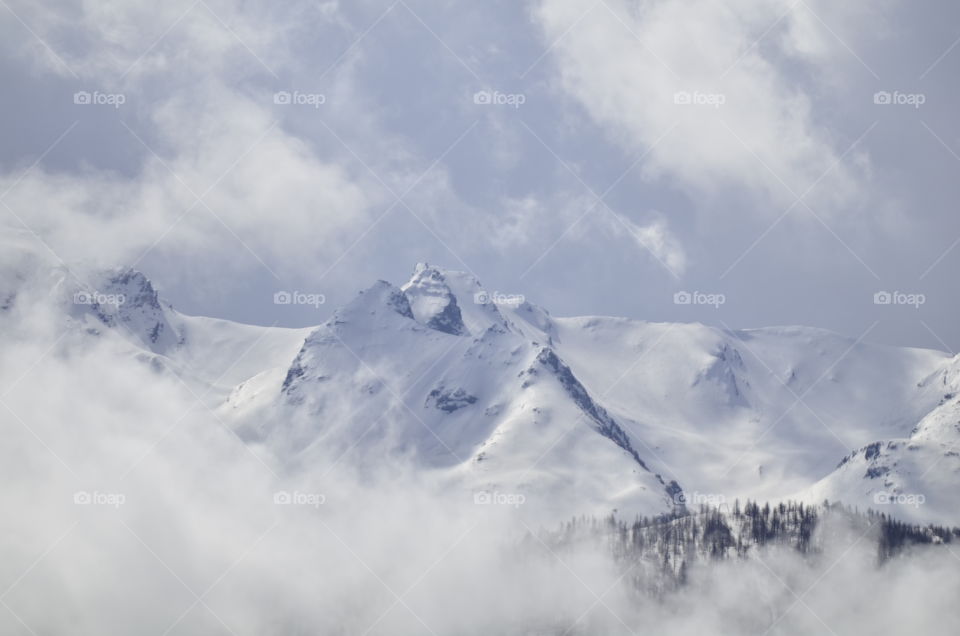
x,y
505,396
210,355
459,387
495,397
913,476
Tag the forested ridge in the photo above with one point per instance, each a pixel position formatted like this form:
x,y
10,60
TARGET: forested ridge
x,y
659,551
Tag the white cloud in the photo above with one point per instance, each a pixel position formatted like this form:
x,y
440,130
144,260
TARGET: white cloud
x,y
119,42
202,127
656,238
263,187
198,515
753,128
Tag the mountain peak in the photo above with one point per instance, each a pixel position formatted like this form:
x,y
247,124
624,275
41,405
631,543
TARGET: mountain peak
x,y
381,295
434,291
433,302
423,266
124,297
137,289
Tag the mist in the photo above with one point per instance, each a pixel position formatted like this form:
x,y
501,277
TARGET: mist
x,y
142,512
646,191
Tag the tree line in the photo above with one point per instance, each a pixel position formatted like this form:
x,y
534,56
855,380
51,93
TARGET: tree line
x,y
659,550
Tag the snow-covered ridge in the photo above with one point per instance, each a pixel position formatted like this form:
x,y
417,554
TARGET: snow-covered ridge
x,y
713,410
580,414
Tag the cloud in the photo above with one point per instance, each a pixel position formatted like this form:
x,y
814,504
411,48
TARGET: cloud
x,y
656,238
534,222
232,182
220,183
174,507
796,92
537,226
120,42
709,89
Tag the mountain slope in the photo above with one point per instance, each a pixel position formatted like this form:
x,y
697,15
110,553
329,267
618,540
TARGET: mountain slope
x,y
462,393
210,355
752,413
912,477
578,414
503,396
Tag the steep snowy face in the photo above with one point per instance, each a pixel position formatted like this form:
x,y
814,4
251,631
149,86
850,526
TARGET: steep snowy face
x,y
126,299
451,301
121,299
370,324
759,413
209,355
432,301
911,477
599,418
726,371
532,321
583,414
352,382
944,381
398,372
504,395
592,413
